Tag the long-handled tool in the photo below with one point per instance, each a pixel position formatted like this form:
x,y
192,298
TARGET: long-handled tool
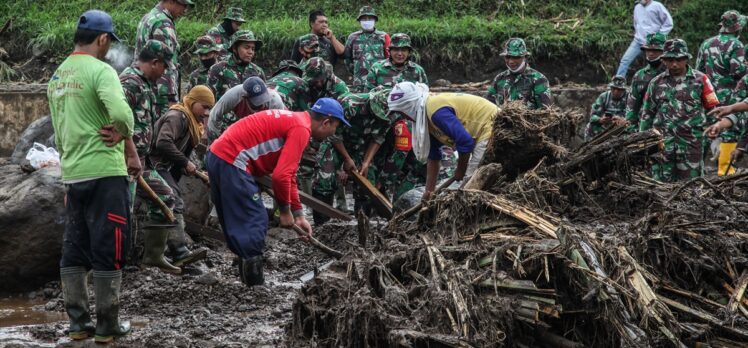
x,y
381,203
203,177
322,207
155,199
317,244
408,213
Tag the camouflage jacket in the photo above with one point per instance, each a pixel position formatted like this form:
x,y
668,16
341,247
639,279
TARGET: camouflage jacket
x,y
334,88
198,77
604,106
158,24
722,58
291,88
362,50
326,51
139,95
635,99
528,85
227,73
365,125
676,106
222,39
384,73
739,120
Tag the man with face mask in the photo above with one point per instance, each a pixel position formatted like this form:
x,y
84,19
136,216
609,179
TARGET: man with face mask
x,y
519,81
222,33
364,48
238,67
650,16
84,94
265,143
207,51
248,98
329,46
653,49
609,108
722,58
675,104
158,24
398,68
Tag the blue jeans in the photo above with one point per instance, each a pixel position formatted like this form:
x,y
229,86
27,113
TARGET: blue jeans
x,y
629,57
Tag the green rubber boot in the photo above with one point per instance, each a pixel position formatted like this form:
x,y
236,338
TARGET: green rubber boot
x,y
74,283
107,289
153,253
180,254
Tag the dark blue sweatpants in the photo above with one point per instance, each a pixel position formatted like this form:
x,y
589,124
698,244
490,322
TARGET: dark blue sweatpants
x,y
239,206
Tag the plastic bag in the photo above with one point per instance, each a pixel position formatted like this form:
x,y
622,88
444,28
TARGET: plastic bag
x,y
40,156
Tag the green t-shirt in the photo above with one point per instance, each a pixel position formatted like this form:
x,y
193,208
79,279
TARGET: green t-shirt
x,y
85,94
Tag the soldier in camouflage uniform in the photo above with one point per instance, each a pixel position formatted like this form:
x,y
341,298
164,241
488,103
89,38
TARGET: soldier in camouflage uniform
x,y
137,83
287,82
519,81
653,50
329,46
735,114
722,58
207,51
158,24
238,67
308,47
223,32
675,104
398,68
364,48
608,109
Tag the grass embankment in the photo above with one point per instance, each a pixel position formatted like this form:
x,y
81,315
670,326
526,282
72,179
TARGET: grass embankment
x,y
446,33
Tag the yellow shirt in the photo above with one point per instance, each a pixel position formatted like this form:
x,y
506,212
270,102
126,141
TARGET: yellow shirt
x,y
475,113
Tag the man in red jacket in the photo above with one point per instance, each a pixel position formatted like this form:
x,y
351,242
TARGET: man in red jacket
x,y
264,143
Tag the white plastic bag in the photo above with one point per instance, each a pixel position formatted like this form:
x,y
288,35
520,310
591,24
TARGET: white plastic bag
x,y
40,156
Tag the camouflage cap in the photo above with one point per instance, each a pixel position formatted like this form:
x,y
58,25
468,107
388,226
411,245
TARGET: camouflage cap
x,y
316,69
515,47
289,65
378,102
245,36
400,40
235,14
160,50
205,44
309,41
676,48
731,22
655,41
366,11
618,81
186,2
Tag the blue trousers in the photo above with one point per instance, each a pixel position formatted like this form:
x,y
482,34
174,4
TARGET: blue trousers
x,y
238,202
629,57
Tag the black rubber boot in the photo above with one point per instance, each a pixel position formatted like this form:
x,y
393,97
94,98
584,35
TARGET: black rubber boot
x,y
180,254
107,289
251,271
155,244
319,218
74,282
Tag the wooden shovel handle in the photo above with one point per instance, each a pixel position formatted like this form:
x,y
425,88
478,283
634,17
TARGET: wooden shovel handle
x,y
155,199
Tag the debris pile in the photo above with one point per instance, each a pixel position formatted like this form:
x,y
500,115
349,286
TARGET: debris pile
x,y
576,249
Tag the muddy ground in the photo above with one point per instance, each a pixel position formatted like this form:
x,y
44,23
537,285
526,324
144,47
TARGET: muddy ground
x,y
208,306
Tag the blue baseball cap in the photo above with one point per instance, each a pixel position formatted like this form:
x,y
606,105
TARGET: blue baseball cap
x,y
330,107
256,90
97,20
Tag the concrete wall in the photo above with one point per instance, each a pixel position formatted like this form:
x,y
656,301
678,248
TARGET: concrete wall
x,y
19,106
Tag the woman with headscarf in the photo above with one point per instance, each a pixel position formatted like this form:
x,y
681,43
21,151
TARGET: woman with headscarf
x,y
175,136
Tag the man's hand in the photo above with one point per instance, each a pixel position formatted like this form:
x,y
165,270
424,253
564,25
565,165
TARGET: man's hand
x,y
721,111
134,167
713,130
349,164
109,135
426,196
364,169
190,168
286,219
342,177
301,222
619,121
736,155
329,34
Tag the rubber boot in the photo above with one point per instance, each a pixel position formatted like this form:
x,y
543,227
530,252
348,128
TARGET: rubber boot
x,y
153,253
74,282
180,254
251,271
107,290
319,218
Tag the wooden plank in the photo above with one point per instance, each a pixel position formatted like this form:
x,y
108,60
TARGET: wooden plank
x,y
321,207
381,203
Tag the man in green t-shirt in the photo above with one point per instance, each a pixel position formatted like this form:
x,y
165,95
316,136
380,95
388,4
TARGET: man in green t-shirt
x,y
93,128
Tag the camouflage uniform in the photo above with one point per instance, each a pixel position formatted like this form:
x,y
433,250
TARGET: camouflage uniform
x,y
722,58
158,24
385,73
676,107
288,83
639,83
606,106
362,50
740,94
229,73
223,37
528,85
204,45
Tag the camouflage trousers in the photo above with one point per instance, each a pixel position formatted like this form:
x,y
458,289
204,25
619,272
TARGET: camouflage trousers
x,y
168,193
680,161
307,166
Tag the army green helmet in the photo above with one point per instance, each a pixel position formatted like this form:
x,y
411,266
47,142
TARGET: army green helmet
x,y
618,81
676,48
316,69
366,11
515,47
160,50
655,41
235,14
245,36
378,102
289,65
205,44
731,22
310,41
400,40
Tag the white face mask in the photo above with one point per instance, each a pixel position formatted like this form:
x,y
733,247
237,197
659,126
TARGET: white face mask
x,y
367,25
519,68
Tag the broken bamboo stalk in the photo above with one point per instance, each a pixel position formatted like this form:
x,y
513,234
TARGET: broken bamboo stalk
x,y
316,243
706,317
737,295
